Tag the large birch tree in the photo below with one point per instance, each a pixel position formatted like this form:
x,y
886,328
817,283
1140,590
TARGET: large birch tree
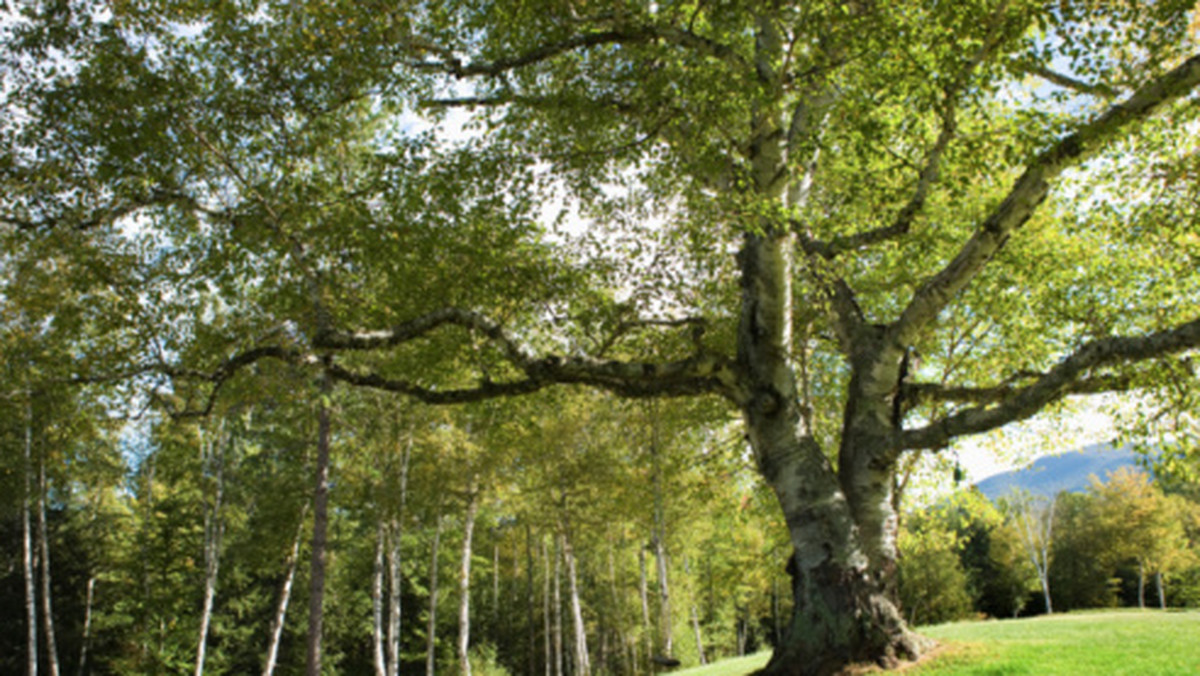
x,y
784,203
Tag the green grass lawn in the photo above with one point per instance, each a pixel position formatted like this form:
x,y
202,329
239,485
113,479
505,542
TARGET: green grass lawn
x,y
1130,642
1141,643
736,666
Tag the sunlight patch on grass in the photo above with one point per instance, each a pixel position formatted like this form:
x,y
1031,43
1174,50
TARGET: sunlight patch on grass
x,y
1110,642
737,666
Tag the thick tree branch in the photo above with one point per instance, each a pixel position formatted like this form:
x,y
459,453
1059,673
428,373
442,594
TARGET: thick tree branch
x,y
1068,82
1068,377
701,373
698,375
101,215
449,63
916,394
1031,189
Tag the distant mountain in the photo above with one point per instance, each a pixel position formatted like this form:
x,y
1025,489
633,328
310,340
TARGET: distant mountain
x,y
1052,474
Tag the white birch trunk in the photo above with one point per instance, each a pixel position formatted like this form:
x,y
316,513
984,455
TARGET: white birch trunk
x,y
285,593
666,623
664,594
1141,584
316,596
431,633
27,555
694,615
464,586
395,575
644,592
582,661
213,459
87,626
558,623
43,546
547,630
377,637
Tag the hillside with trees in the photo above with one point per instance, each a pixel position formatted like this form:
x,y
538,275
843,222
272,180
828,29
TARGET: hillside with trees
x,y
570,337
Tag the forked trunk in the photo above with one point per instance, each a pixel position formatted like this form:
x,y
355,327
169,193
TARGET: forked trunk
x,y
844,612
841,522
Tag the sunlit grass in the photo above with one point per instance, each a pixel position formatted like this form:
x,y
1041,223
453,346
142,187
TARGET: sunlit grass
x,y
1114,642
1137,643
737,666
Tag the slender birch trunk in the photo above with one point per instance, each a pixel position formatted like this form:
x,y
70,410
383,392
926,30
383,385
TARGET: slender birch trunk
x,y
644,592
285,593
694,615
1141,584
530,601
665,621
582,661
213,456
495,581
666,624
464,585
395,575
558,623
85,640
616,604
699,637
377,637
31,644
44,549
431,633
547,632
316,598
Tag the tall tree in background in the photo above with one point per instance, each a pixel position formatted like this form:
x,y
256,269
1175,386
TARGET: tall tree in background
x,y
835,186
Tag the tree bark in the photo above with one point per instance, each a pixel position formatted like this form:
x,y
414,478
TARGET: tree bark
x,y
495,581
1036,533
285,593
583,665
316,598
530,603
1141,584
27,556
431,631
843,612
644,593
85,640
212,460
666,622
464,585
44,558
377,637
395,574
1162,597
695,616
558,623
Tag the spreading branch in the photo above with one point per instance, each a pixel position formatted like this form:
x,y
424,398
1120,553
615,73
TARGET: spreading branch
x,y
1031,189
1068,82
700,373
916,394
1071,375
446,61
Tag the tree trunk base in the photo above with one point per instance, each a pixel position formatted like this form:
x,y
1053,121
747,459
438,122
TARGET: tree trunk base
x,y
842,622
